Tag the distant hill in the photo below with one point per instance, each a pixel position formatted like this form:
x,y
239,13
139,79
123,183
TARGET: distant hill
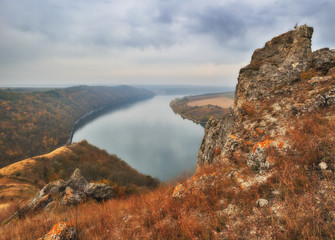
x,y
36,122
23,179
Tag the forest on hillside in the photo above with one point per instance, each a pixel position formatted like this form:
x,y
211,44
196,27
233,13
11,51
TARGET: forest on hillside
x,y
36,122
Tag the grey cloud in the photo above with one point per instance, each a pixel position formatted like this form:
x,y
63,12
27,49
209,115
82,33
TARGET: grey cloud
x,y
225,31
221,22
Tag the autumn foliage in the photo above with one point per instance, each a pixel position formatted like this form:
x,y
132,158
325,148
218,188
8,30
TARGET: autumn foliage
x,y
34,123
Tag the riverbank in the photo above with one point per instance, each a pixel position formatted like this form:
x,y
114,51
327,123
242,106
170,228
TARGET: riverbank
x,y
200,109
80,122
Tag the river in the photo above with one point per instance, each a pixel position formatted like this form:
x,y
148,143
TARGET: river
x,y
148,135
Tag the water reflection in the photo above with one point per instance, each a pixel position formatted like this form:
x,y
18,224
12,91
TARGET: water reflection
x,y
148,136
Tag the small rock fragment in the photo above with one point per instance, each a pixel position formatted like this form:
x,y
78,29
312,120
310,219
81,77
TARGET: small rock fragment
x,y
323,165
61,231
262,202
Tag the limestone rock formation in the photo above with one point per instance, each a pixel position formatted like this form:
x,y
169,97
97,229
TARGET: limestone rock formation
x,y
284,78
279,62
74,191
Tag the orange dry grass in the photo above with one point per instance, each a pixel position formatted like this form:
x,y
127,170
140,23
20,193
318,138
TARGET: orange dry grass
x,y
151,216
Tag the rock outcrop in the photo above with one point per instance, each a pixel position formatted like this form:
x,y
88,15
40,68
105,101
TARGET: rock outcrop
x,y
280,62
74,191
284,78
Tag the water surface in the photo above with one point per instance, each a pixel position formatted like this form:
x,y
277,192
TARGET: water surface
x,y
148,135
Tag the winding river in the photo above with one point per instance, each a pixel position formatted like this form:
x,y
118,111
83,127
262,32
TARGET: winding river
x,y
148,135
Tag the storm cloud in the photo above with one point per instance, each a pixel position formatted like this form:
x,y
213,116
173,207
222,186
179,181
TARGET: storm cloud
x,y
147,41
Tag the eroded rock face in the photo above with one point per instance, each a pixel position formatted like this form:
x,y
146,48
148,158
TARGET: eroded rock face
x,y
216,134
323,60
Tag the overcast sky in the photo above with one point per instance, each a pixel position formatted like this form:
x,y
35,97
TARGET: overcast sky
x,y
198,42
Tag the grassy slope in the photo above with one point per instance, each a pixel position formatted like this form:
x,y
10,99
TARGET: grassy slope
x,y
33,123
21,180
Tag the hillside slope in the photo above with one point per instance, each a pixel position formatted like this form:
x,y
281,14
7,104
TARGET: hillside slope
x,y
21,180
34,123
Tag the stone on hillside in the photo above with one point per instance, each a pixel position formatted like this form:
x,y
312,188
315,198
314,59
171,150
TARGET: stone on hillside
x,y
72,197
61,231
99,191
262,202
323,165
77,181
52,188
37,203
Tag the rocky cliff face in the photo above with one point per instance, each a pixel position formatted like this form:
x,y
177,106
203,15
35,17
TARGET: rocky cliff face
x,y
284,79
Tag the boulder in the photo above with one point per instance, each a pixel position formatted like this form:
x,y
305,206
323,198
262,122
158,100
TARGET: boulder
x,y
61,231
262,203
73,197
52,188
323,165
99,191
